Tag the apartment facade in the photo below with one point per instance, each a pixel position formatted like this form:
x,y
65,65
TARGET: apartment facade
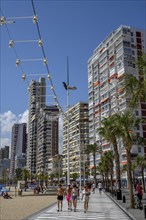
x,y
111,61
75,133
18,144
4,153
47,137
42,129
37,99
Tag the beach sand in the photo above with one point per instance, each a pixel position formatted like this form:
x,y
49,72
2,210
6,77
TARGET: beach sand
x,y
20,207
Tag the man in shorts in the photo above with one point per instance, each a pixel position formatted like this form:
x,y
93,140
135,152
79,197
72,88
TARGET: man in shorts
x,y
60,193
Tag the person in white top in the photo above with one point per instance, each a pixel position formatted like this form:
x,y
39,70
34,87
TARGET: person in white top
x,y
85,197
93,187
100,187
74,196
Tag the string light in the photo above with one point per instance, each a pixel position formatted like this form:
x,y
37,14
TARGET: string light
x,y
3,21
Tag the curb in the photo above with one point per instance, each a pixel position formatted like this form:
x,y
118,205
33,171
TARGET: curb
x,y
38,212
121,207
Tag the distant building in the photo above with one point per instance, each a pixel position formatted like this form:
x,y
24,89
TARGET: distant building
x,y
42,129
76,134
47,137
18,145
37,99
4,168
4,152
20,161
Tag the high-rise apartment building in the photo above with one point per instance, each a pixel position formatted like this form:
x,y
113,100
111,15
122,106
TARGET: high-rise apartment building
x,y
111,61
37,99
47,137
18,144
42,129
75,133
4,152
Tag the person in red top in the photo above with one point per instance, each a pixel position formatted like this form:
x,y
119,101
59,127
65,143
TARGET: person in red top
x,y
139,191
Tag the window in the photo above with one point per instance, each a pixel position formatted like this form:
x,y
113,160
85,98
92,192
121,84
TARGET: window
x,y
138,40
138,34
127,50
139,46
137,113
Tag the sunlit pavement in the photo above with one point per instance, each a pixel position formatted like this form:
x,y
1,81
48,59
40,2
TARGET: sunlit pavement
x,y
100,207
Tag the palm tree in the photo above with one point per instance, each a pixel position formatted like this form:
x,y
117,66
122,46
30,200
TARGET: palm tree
x,y
141,162
26,176
92,148
136,87
109,131
105,167
109,157
127,123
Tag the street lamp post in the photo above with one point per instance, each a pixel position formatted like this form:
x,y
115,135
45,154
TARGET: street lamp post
x,y
67,88
79,148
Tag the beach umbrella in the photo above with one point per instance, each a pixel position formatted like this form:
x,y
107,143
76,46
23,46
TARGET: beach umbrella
x,y
4,189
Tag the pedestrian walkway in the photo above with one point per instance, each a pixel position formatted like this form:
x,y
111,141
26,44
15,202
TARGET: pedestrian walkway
x,y
101,207
136,214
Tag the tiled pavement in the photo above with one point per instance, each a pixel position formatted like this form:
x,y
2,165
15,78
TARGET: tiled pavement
x,y
136,214
101,207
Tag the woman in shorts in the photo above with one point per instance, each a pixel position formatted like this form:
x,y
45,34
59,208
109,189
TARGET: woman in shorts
x,y
85,196
60,193
69,197
74,197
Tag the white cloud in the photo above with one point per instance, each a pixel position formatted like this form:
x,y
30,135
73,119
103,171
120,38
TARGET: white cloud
x,y
5,142
7,120
23,118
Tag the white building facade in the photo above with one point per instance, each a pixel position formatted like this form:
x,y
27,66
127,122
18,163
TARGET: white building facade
x,y
75,134
111,61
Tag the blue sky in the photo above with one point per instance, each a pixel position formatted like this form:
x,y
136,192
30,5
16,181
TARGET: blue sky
x,y
68,28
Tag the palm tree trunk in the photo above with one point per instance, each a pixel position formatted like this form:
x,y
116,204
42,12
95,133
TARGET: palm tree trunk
x,y
129,169
94,158
142,173
117,162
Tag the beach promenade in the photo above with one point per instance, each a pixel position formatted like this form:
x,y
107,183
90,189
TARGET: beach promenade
x,y
101,207
42,207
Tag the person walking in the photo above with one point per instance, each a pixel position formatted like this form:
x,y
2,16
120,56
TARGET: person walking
x,y
60,193
139,191
69,197
93,188
85,197
74,196
100,187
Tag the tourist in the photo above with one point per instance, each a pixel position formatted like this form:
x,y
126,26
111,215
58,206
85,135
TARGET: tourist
x,y
100,187
74,196
60,193
85,197
139,191
93,187
69,197
6,196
